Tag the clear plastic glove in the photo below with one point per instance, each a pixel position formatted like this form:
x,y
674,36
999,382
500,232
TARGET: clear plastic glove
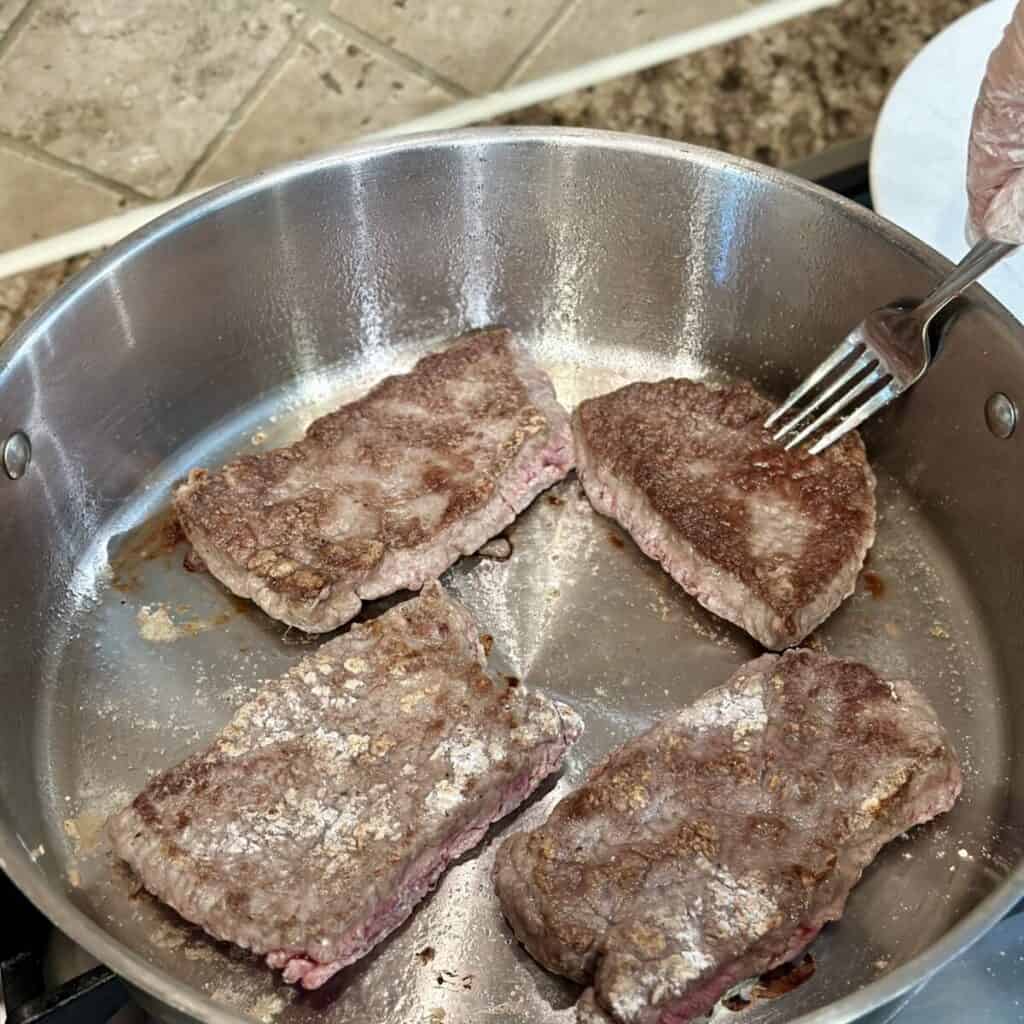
x,y
995,155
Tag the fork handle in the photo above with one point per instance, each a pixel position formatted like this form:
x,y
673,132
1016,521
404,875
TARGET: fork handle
x,y
983,255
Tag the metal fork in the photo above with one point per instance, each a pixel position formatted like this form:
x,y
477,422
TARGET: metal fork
x,y
881,357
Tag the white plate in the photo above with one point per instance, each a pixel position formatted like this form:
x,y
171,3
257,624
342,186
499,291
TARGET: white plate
x,y
919,152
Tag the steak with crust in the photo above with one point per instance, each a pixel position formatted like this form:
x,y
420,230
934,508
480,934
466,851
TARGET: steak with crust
x,y
769,539
333,801
716,845
386,492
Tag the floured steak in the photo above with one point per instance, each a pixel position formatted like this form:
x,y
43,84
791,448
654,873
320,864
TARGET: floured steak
x,y
333,801
716,845
386,492
769,539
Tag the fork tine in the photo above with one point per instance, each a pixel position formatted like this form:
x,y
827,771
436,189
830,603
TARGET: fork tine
x,y
867,381
858,416
863,362
839,354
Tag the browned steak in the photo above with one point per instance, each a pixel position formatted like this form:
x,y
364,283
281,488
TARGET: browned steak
x,y
769,539
386,492
330,805
716,845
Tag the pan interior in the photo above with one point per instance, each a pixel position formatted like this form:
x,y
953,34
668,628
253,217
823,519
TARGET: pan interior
x,y
152,659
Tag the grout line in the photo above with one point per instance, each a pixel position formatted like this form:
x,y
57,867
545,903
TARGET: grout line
x,y
245,106
18,22
458,115
560,83
84,174
321,9
557,20
37,153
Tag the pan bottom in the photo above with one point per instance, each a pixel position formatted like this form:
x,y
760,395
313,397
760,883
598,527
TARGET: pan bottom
x,y
152,659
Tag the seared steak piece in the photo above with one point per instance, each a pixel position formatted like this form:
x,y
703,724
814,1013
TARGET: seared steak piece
x,y
769,539
386,492
330,805
716,845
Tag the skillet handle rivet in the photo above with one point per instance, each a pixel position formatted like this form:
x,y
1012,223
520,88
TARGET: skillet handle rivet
x,y
1000,415
17,454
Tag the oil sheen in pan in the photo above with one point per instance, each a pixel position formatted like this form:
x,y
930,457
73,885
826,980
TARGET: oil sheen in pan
x,y
153,662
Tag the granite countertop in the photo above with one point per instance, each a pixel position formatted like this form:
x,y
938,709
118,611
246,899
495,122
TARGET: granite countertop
x,y
778,96
21,294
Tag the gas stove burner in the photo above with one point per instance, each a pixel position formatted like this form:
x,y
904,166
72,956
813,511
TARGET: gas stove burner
x,y
39,987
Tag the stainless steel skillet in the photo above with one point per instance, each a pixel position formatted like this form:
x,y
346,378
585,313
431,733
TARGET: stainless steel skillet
x,y
229,324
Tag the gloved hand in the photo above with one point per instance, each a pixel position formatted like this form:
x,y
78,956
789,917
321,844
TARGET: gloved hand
x,y
995,155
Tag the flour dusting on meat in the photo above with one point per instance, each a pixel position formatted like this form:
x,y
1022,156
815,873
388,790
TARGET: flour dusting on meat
x,y
715,846
386,492
769,539
335,798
